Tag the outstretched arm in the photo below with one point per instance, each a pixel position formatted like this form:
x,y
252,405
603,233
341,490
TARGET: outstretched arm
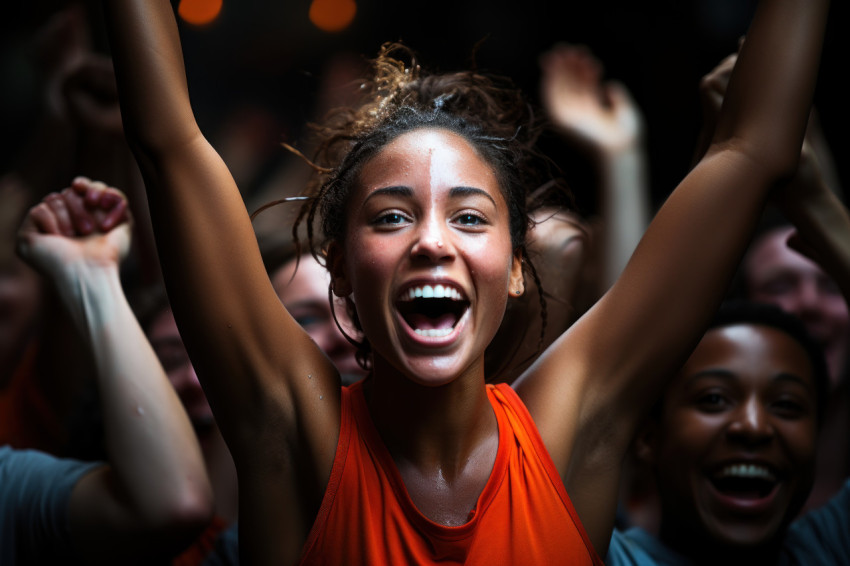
x,y
154,497
601,119
274,394
610,366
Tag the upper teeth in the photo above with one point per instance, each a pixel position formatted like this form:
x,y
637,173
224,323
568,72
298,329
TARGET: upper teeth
x,y
432,292
434,332
746,471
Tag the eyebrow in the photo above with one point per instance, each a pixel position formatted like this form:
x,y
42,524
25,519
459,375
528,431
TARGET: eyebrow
x,y
458,192
399,191
729,375
455,192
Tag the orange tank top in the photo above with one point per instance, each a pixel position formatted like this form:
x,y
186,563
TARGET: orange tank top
x,y
523,515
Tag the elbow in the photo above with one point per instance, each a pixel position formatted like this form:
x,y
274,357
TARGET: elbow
x,y
149,144
773,161
179,523
190,511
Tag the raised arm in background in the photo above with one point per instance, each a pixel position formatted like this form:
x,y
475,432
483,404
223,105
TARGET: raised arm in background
x,y
601,120
589,391
154,496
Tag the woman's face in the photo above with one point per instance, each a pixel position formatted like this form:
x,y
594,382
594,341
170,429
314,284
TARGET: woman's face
x,y
428,255
303,290
168,345
734,448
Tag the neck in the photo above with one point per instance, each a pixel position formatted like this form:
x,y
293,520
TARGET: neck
x,y
431,427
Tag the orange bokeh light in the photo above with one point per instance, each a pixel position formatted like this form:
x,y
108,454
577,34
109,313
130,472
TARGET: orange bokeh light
x,y
199,12
332,15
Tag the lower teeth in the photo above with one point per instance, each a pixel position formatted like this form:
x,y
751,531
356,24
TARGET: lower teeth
x,y
434,332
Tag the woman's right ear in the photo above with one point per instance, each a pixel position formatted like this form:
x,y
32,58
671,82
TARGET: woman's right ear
x,y
340,284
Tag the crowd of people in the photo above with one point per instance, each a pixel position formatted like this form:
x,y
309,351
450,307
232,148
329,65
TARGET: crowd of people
x,y
439,360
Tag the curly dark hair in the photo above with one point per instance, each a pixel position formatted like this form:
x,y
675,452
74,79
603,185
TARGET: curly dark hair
x,y
487,111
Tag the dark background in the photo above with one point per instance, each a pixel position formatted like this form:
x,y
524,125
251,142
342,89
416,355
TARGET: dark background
x,y
266,54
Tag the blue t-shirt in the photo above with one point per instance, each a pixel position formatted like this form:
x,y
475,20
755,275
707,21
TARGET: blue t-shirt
x,y
35,489
819,538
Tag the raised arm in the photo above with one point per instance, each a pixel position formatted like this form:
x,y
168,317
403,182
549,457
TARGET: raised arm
x,y
589,391
154,496
601,119
274,394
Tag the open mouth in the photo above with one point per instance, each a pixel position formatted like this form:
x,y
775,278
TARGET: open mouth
x,y
432,310
744,481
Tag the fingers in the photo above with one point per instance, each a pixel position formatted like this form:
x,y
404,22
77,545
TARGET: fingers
x,y
41,219
61,215
82,218
106,205
114,204
575,63
717,80
88,189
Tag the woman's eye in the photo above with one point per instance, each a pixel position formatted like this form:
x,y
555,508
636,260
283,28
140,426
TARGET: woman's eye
x,y
469,219
389,219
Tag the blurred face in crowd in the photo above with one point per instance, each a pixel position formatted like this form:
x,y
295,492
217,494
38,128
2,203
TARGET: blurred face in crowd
x,y
168,345
777,275
734,445
303,290
20,286
20,300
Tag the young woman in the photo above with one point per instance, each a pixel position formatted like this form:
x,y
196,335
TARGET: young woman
x,y
422,462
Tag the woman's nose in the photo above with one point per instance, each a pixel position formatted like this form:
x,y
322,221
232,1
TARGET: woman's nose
x,y
433,241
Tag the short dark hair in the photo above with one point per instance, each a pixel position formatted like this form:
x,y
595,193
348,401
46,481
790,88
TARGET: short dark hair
x,y
749,312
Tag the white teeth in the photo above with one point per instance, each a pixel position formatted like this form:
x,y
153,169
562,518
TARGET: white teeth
x,y
746,471
433,292
434,332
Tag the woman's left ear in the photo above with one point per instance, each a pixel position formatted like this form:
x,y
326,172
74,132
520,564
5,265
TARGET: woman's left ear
x,y
336,266
517,284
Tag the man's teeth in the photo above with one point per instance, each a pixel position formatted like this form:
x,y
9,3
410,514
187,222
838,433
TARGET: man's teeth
x,y
433,292
746,471
434,332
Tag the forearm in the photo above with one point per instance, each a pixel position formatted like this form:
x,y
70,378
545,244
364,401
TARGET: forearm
x,y
151,445
625,207
148,62
767,102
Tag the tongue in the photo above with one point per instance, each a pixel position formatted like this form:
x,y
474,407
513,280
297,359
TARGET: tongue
x,y
743,488
743,494
420,321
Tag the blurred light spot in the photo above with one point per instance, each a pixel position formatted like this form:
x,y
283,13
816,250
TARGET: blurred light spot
x,y
199,12
332,15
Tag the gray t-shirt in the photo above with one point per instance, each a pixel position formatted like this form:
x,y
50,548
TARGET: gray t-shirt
x,y
819,538
35,489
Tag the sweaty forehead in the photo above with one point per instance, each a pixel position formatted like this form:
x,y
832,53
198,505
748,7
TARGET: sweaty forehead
x,y
753,353
434,157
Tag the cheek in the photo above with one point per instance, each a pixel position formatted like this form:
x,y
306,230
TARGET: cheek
x,y
838,312
800,439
